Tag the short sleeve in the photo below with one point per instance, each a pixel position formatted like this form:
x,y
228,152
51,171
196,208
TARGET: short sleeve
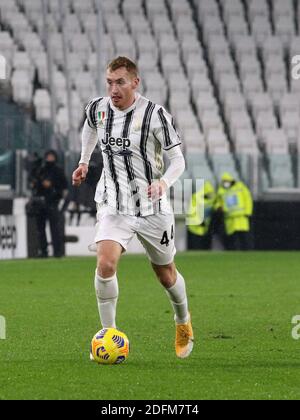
x,y
91,112
165,130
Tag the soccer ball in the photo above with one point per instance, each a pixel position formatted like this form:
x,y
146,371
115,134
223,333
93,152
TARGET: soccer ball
x,y
109,346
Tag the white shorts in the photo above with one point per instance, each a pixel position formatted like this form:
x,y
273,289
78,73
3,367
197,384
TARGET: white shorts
x,y
156,233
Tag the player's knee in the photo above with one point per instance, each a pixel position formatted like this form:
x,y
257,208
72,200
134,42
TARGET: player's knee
x,y
166,275
106,267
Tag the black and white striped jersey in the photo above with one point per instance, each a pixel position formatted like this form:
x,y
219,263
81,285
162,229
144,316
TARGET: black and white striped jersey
x,y
132,143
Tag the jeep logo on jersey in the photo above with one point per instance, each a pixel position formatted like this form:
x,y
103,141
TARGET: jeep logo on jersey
x,y
119,142
109,142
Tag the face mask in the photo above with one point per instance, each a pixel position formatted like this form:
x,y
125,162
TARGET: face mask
x,y
226,185
50,164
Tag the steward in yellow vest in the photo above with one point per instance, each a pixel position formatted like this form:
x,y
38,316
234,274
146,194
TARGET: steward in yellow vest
x,y
199,235
235,201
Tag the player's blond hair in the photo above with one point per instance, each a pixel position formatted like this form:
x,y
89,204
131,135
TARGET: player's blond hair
x,y
120,62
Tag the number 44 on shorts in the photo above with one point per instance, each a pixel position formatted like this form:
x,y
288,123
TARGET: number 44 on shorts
x,y
165,238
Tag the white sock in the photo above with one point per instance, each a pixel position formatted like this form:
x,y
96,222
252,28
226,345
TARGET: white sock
x,y
107,292
177,295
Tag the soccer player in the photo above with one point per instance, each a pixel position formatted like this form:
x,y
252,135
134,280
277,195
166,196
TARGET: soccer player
x,y
131,195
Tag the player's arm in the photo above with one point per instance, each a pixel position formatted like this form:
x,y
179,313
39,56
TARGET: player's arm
x,y
176,168
89,142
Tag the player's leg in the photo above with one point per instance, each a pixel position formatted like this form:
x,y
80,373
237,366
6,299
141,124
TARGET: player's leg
x,y
174,285
106,282
157,234
113,234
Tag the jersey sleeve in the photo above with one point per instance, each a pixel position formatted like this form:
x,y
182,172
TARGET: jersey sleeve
x,y
176,167
91,112
164,129
89,139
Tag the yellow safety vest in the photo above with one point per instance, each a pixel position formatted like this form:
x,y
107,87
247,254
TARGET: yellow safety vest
x,y
198,226
237,205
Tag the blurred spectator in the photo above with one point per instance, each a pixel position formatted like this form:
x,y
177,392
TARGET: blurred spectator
x,y
49,184
81,200
199,231
235,201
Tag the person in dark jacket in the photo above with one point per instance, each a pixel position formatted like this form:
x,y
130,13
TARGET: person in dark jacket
x,y
49,185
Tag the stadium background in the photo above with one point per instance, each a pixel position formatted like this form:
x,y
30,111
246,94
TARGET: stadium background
x,y
224,70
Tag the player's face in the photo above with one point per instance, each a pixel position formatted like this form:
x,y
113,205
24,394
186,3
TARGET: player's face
x,y
121,87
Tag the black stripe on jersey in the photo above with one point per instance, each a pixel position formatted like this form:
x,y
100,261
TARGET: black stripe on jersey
x,y
127,124
165,128
172,147
144,139
129,165
109,153
174,126
105,189
110,121
87,110
92,112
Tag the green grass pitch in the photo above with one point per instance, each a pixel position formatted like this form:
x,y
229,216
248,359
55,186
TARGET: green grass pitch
x,y
242,306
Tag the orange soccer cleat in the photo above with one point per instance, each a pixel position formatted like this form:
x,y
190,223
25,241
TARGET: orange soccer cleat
x,y
184,341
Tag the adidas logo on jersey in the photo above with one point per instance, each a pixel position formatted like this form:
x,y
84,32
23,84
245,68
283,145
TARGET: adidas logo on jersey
x,y
119,142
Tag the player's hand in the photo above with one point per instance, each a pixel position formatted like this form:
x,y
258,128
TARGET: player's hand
x,y
79,176
156,190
